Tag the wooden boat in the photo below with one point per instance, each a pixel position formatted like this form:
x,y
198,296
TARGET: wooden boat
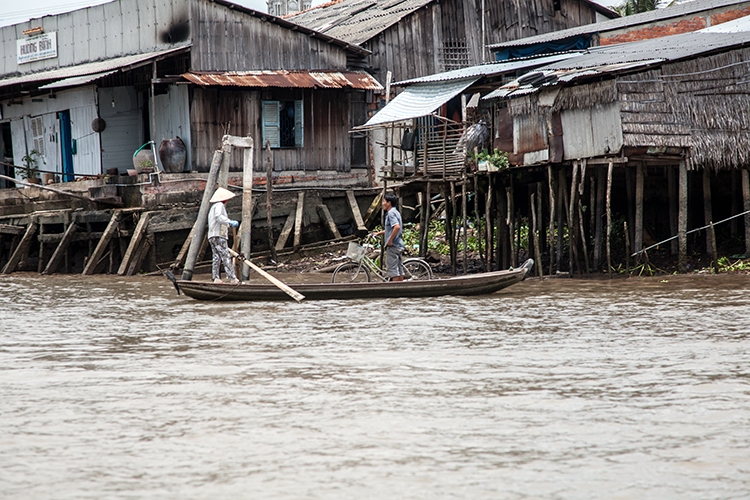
x,y
470,284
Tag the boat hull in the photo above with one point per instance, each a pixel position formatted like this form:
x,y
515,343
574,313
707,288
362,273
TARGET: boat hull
x,y
473,284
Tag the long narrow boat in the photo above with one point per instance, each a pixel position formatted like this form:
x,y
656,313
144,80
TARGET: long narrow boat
x,y
470,284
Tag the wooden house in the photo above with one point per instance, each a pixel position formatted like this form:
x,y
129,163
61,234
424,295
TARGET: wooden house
x,y
87,88
413,38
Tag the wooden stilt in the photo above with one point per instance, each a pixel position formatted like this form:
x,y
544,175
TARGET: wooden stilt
x,y
630,192
733,224
269,200
477,225
540,220
551,235
425,228
298,220
464,224
682,217
355,211
572,227
512,224
22,250
374,210
609,219
140,255
328,220
286,231
57,256
448,228
639,207
707,209
672,196
627,247
114,223
535,234
601,186
561,209
584,245
135,241
503,250
746,206
453,244
42,257
488,222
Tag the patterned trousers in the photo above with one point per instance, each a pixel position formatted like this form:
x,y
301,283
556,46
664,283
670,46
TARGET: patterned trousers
x,y
221,255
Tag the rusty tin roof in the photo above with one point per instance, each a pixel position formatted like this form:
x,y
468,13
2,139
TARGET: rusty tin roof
x,y
286,79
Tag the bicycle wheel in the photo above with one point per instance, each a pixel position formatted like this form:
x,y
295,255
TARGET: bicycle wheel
x,y
350,272
417,269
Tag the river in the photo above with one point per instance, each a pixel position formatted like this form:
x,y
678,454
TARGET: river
x,y
561,389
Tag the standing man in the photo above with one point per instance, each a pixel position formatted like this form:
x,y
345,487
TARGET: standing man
x,y
218,220
394,244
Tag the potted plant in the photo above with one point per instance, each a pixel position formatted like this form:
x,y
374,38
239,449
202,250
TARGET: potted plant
x,y
31,166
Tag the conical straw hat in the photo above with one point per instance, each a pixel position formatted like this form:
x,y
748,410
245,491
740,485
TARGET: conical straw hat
x,y
221,194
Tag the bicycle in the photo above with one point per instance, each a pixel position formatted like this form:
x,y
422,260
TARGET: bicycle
x,y
362,268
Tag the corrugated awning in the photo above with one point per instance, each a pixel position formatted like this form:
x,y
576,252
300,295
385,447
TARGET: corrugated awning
x,y
286,79
419,100
110,65
77,80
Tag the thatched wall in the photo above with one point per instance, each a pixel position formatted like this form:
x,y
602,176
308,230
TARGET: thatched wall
x,y
702,104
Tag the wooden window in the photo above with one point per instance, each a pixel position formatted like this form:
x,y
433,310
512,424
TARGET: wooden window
x,y
283,124
37,133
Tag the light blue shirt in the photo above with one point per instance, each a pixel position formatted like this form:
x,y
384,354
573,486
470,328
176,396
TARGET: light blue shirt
x,y
393,217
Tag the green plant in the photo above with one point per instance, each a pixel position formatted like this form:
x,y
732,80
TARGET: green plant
x,y
497,158
727,266
146,163
31,166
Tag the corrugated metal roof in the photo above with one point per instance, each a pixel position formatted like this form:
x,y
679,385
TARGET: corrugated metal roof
x,y
89,68
630,56
419,100
490,69
286,79
679,10
356,21
77,80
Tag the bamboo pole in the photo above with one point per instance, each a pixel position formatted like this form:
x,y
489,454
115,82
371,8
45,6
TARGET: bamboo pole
x,y
453,243
714,250
672,196
560,211
599,216
488,222
464,225
540,217
572,228
746,205
512,223
477,227
501,250
609,219
425,229
627,247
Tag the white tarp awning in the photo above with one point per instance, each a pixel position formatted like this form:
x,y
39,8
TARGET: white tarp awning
x,y
419,100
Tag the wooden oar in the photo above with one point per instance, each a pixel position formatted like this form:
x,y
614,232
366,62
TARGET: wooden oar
x,y
284,287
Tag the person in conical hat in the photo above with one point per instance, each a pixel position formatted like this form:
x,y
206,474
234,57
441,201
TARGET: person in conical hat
x,y
218,222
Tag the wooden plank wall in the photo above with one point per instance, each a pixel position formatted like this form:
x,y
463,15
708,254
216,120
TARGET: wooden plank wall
x,y
226,40
327,125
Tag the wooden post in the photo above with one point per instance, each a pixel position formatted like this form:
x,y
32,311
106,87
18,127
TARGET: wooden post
x,y
22,250
601,186
114,223
425,229
59,252
199,228
746,206
355,211
630,193
40,264
452,221
540,219
286,231
682,217
374,209
672,196
464,224
449,209
269,199
639,207
501,251
551,235
572,228
535,235
512,223
609,219
733,224
560,207
477,226
584,245
488,222
627,247
135,243
707,210
140,255
298,221
248,204
226,160
328,219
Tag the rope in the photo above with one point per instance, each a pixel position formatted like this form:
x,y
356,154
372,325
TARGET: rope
x,y
691,231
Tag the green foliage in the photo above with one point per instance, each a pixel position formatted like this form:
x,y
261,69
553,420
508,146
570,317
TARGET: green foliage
x,y
630,7
31,166
727,266
497,158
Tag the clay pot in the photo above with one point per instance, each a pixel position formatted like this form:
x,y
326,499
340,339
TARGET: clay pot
x,y
173,154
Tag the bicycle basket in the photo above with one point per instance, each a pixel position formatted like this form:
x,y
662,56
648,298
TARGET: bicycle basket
x,y
355,251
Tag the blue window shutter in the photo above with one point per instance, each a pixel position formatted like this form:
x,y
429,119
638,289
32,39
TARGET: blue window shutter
x,y
299,124
270,119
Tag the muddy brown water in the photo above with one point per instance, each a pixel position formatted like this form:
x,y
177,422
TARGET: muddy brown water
x,y
118,388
